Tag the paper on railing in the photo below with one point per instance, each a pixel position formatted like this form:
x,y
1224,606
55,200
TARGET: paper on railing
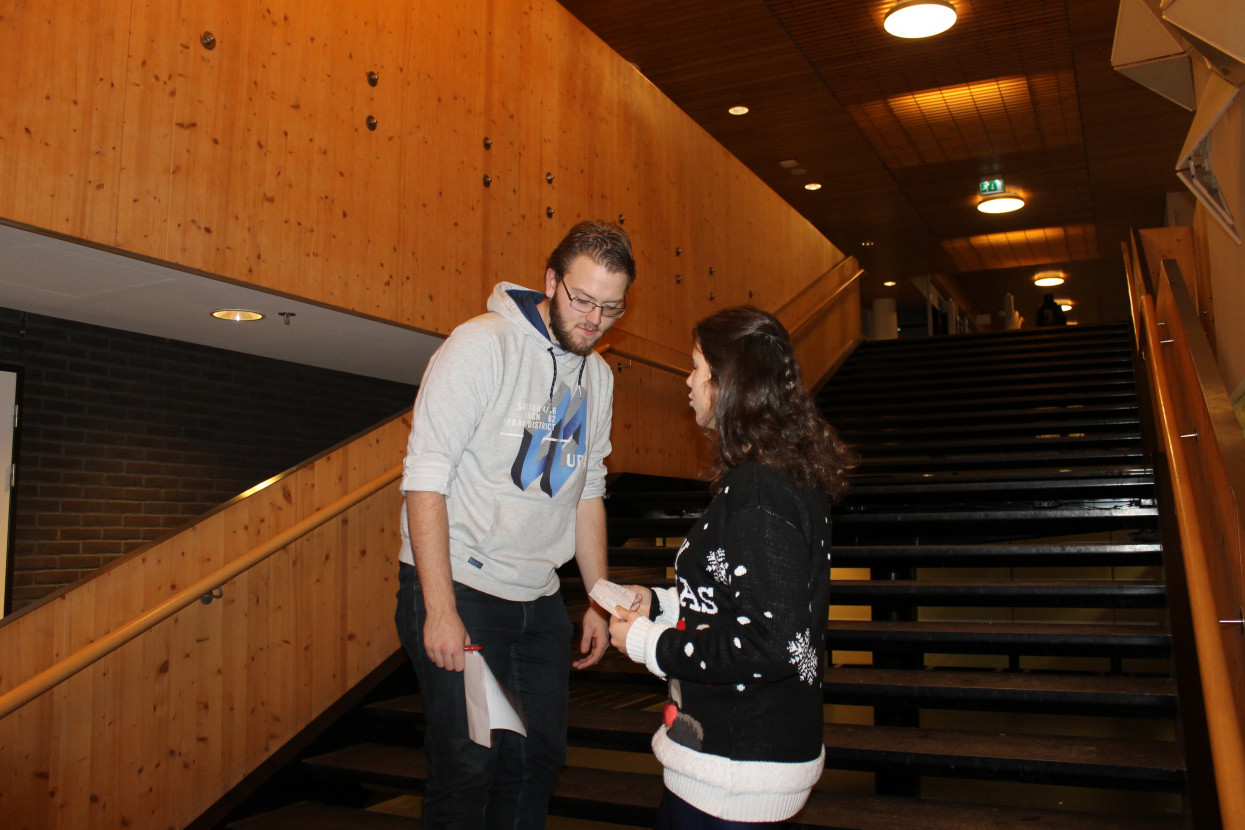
x,y
610,594
488,708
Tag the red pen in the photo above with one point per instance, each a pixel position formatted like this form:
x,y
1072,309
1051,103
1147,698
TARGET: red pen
x,y
473,648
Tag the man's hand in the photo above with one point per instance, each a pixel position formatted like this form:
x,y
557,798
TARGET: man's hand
x,y
596,637
445,637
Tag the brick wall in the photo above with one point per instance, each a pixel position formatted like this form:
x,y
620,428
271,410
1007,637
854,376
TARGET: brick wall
x,y
125,437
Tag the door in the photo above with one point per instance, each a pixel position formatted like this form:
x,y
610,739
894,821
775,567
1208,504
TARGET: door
x,y
8,430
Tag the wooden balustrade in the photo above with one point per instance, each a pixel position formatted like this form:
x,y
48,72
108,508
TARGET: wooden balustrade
x,y
1206,458
156,731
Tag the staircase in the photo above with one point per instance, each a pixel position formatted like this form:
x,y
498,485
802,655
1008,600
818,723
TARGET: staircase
x,y
1001,654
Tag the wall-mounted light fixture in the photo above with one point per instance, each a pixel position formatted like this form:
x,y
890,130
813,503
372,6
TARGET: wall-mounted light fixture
x,y
237,315
919,18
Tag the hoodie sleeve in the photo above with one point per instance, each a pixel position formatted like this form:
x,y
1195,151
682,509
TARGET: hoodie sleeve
x,y
452,398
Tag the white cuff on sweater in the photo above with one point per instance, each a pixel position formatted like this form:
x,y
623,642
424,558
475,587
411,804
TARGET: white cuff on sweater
x,y
642,643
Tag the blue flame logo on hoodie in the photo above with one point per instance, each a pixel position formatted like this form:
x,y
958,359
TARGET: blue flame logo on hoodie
x,y
552,452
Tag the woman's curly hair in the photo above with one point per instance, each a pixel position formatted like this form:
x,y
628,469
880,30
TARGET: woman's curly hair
x,y
761,410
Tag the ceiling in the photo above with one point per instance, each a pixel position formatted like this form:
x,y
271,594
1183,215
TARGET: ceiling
x,y
900,132
54,277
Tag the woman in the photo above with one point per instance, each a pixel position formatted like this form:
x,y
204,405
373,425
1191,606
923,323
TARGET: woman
x,y
741,635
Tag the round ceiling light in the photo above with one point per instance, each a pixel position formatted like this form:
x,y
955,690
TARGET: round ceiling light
x,y
919,18
740,110
813,186
1045,278
1004,202
237,315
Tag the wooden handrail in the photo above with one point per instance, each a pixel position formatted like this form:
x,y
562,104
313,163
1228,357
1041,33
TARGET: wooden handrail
x,y
1221,707
836,266
824,304
57,673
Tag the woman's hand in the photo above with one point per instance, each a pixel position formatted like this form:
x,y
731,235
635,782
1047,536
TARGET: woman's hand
x,y
620,623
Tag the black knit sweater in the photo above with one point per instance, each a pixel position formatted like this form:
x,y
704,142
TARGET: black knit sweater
x,y
745,658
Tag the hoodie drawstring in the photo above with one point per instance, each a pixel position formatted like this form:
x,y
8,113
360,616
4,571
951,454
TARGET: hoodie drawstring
x,y
579,380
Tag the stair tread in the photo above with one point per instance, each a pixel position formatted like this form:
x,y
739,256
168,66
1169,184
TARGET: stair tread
x,y
309,815
632,797
1072,685
1001,638
1156,761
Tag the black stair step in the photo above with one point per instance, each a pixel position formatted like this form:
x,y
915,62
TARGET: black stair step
x,y
913,381
909,421
1032,460
1032,639
1150,766
622,797
873,449
982,593
1073,391
950,556
308,815
984,400
631,798
1039,692
863,433
616,727
1007,483
1052,521
962,347
866,370
1060,593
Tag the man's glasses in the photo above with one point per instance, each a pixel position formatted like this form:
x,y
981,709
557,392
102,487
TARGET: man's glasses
x,y
586,306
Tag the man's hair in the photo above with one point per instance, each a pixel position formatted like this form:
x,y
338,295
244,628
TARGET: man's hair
x,y
606,244
761,410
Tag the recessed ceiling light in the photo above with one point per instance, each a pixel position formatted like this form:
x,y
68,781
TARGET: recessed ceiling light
x,y
237,315
1065,306
889,283
789,163
812,186
738,110
919,18
1004,202
1045,278
798,171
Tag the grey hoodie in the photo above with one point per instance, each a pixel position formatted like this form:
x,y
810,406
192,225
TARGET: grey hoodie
x,y
514,432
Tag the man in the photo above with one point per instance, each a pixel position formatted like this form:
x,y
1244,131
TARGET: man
x,y
1049,313
504,479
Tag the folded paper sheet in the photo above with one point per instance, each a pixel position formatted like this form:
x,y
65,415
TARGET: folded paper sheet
x,y
488,708
610,595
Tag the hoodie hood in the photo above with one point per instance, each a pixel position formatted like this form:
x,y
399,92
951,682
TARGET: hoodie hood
x,y
520,306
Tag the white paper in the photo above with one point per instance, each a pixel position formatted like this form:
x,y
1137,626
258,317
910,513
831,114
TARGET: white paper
x,y
488,708
610,595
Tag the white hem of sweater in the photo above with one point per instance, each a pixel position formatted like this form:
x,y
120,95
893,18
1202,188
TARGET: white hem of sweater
x,y
642,643
736,790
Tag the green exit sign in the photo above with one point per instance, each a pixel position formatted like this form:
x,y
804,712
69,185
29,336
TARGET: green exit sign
x,y
989,187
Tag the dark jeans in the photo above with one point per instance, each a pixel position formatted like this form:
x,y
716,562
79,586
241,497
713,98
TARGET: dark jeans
x,y
676,814
527,647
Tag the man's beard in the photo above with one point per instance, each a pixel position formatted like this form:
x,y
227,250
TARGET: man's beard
x,y
564,334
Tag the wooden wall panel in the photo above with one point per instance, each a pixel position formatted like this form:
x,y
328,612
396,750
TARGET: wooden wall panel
x,y
62,73
154,733
252,162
